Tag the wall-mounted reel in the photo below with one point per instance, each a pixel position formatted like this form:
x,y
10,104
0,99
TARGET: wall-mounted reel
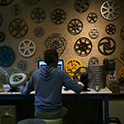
x,y
92,17
121,72
110,29
94,33
71,66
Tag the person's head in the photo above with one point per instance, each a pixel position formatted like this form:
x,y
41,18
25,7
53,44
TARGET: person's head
x,y
51,57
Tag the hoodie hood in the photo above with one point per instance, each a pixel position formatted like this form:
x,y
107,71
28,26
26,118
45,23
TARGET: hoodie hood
x,y
47,72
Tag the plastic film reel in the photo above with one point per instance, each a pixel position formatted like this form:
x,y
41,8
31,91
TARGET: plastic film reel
x,y
30,2
122,33
56,41
110,29
75,26
81,5
106,46
122,55
71,66
82,70
93,61
22,65
27,48
94,33
7,56
83,47
39,31
121,72
110,10
57,2
16,9
5,2
38,15
2,36
58,16
18,28
92,17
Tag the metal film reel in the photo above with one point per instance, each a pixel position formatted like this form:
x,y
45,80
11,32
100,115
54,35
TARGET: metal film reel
x,y
39,31
30,2
110,29
16,9
83,47
7,56
92,17
106,46
81,5
5,2
122,33
1,20
56,41
18,28
94,33
57,2
71,66
38,15
93,61
58,16
22,65
122,55
27,48
2,37
75,26
110,10
121,72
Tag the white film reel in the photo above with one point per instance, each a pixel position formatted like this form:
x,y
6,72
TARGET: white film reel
x,y
94,33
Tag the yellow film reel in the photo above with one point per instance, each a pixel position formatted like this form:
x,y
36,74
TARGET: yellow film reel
x,y
71,66
121,72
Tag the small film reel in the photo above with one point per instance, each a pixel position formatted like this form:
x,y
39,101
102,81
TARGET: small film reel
x,y
57,2
39,31
121,72
71,66
83,47
27,48
81,5
122,33
30,2
2,36
106,46
38,15
58,16
18,28
16,9
110,10
5,2
122,55
92,17
94,33
93,61
110,29
56,41
22,65
75,26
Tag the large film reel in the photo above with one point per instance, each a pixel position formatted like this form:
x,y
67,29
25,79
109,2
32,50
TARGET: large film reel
x,y
110,29
71,66
75,26
83,46
56,41
106,46
110,10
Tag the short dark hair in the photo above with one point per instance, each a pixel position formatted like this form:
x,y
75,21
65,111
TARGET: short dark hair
x,y
50,55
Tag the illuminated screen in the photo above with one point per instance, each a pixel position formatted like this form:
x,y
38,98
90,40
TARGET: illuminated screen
x,y
42,64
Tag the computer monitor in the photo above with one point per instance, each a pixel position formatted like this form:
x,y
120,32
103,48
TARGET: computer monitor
x,y
42,64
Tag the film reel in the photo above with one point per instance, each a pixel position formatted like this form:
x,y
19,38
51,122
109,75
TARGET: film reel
x,y
75,26
39,31
106,46
2,36
122,55
57,2
30,2
92,17
7,56
18,28
83,47
94,33
71,66
121,72
110,10
122,33
27,48
58,16
93,61
22,65
38,15
56,41
5,2
110,29
81,5
16,9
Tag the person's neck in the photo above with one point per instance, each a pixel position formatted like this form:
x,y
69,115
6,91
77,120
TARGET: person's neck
x,y
53,65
